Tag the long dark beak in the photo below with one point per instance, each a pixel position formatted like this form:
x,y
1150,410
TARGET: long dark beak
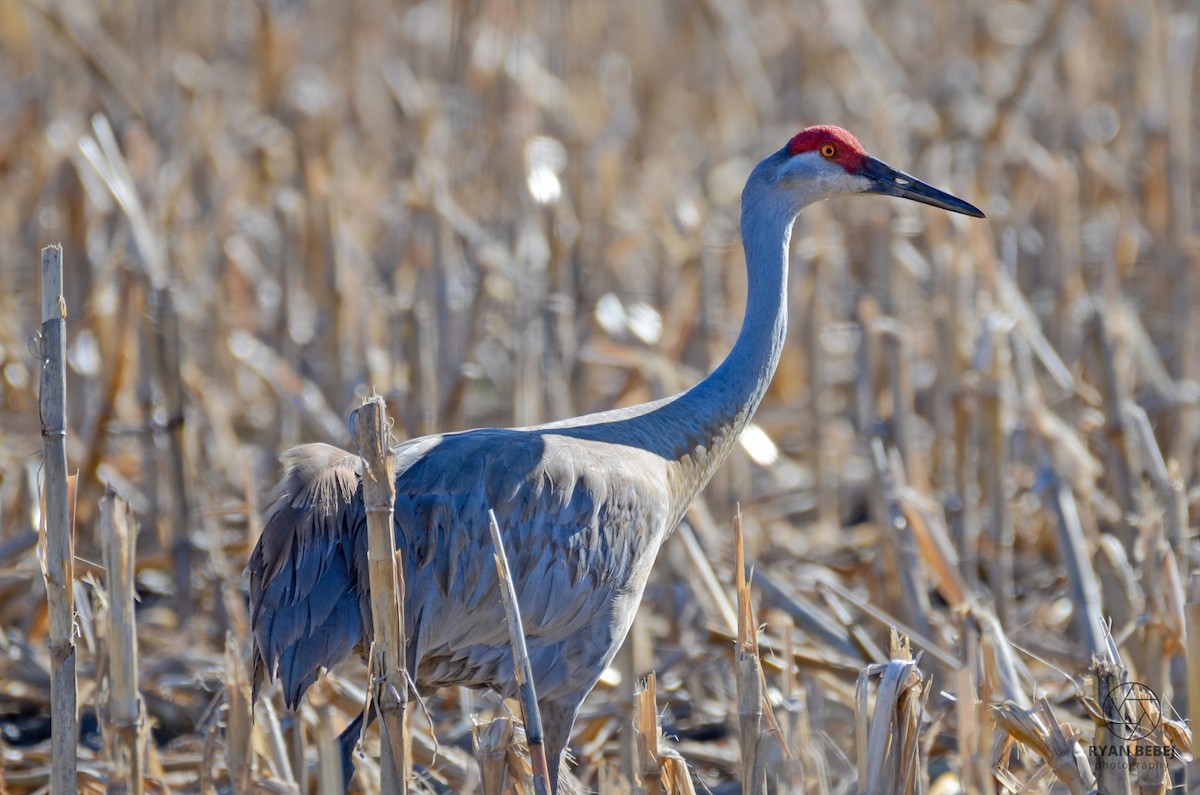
x,y
891,182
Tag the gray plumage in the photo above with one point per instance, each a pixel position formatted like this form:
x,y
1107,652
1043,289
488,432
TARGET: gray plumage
x,y
583,504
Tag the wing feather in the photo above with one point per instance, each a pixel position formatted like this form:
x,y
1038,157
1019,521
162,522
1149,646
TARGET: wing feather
x,y
304,586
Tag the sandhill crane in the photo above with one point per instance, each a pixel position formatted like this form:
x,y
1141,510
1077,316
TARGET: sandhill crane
x,y
584,504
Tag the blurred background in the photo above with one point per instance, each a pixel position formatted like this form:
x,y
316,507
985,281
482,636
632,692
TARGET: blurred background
x,y
503,213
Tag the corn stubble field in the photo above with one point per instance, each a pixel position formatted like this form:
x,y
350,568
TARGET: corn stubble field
x,y
983,436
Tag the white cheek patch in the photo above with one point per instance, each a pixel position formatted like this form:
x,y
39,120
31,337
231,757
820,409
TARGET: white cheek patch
x,y
840,182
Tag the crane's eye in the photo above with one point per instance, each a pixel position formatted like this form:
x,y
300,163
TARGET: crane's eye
x,y
828,150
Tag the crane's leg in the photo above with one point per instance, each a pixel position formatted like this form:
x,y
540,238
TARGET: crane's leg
x,y
557,719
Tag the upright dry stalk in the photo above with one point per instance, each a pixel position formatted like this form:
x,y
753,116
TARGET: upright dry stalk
x,y
1167,488
329,754
277,757
961,512
628,740
291,734
1073,550
749,674
867,358
387,591
1192,617
676,774
633,661
124,722
824,466
1160,627
1110,690
170,379
239,717
521,666
946,384
144,391
970,719
491,743
1180,68
1122,455
897,357
649,761
888,741
103,407
1000,527
904,561
708,584
208,761
58,566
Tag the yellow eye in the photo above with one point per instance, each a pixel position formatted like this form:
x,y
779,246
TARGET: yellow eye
x,y
828,150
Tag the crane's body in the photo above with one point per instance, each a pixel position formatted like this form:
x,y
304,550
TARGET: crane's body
x,y
583,504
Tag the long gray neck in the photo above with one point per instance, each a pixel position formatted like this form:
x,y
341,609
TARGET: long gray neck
x,y
714,413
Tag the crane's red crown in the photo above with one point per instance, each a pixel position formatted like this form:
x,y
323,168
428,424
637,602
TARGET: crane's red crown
x,y
834,144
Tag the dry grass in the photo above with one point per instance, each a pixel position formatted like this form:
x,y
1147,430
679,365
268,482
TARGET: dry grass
x,y
983,434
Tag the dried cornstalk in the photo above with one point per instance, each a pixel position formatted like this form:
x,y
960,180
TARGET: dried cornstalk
x,y
1192,614
649,765
1180,63
329,754
796,730
971,720
632,661
927,643
387,661
889,751
1110,714
1149,760
676,775
1124,601
995,464
208,761
1057,744
1160,628
292,388
291,732
898,360
934,545
867,649
124,716
904,561
170,380
144,390
95,434
749,674
811,618
708,583
999,663
445,763
492,741
277,747
101,151
521,665
239,717
1168,489
58,561
1072,547
1122,455
824,464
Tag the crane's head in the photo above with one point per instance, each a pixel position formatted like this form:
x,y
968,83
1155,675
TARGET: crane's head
x,y
825,161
